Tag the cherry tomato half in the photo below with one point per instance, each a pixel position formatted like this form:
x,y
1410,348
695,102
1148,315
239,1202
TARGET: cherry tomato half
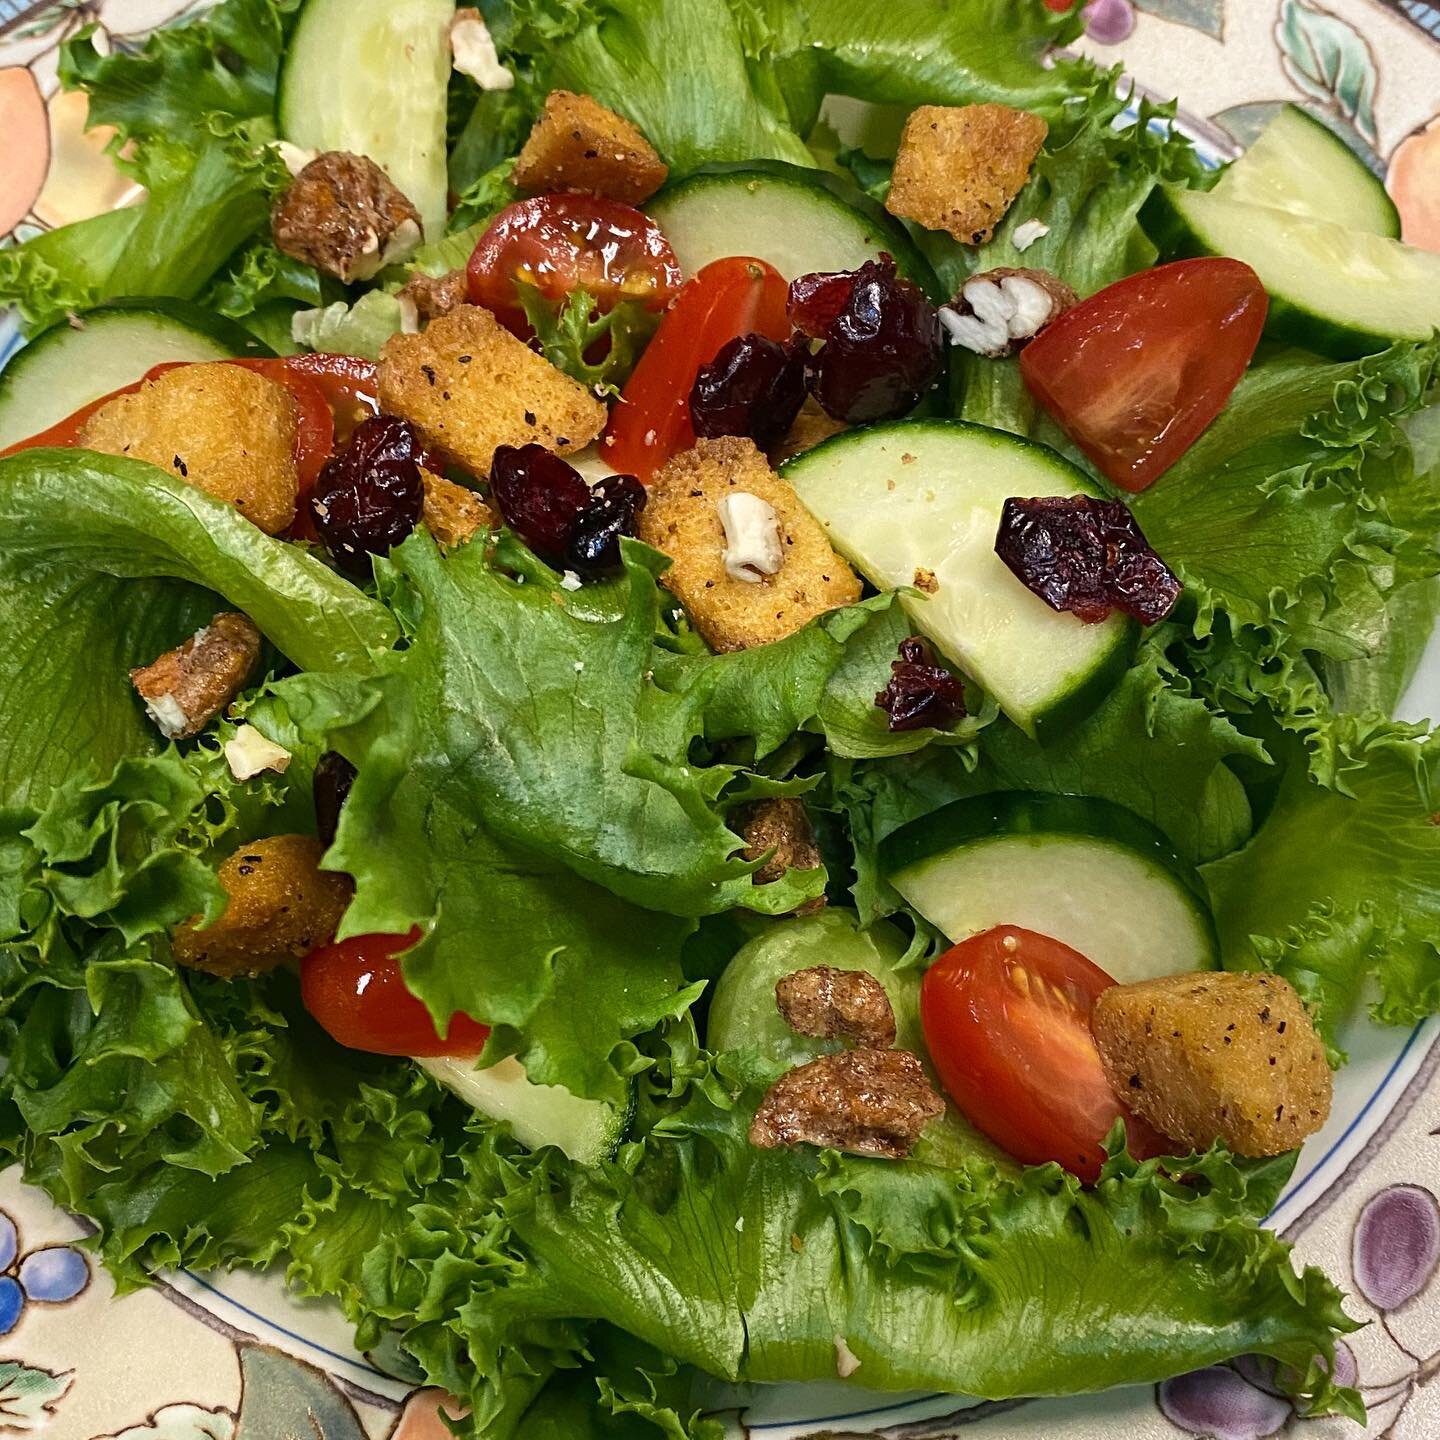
x,y
354,988
560,243
1007,1020
1135,373
727,298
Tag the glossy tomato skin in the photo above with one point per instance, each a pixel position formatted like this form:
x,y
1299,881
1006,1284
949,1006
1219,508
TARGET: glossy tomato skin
x,y
726,299
1006,1016
355,990
560,243
1136,373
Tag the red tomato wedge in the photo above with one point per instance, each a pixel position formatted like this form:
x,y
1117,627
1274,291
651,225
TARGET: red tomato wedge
x,y
1007,1020
560,243
355,990
731,297
1134,374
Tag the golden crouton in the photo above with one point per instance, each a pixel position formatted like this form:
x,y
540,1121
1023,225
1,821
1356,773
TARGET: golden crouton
x,y
578,144
452,514
187,687
1216,1057
959,168
281,906
812,426
682,518
469,385
223,428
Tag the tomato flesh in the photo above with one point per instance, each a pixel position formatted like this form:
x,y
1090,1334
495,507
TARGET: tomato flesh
x,y
355,990
559,243
735,296
1006,1016
1136,373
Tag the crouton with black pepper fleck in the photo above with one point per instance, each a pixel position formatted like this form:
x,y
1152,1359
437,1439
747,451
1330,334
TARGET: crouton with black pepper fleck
x,y
683,519
452,513
281,906
579,144
225,429
468,385
1216,1056
960,167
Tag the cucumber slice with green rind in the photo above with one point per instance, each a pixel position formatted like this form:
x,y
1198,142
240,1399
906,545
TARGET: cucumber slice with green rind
x,y
799,220
1301,165
926,495
75,363
1082,870
371,77
588,1131
1336,291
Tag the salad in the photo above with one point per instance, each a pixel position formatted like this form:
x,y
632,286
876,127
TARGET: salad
x,y
660,753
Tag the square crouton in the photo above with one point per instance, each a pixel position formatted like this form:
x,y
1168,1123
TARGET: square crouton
x,y
1216,1056
469,385
452,514
579,144
227,430
960,168
682,518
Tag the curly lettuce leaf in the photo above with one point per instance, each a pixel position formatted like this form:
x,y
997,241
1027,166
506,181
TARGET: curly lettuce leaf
x,y
570,332
106,562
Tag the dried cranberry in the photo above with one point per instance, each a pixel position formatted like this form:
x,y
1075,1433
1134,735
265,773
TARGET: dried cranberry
x,y
1087,556
921,692
330,787
540,496
883,347
595,539
369,496
753,387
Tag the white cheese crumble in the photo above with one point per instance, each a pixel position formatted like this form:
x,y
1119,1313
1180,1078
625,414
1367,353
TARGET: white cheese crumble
x,y
570,581
250,754
846,1360
752,537
296,157
168,713
472,47
1027,234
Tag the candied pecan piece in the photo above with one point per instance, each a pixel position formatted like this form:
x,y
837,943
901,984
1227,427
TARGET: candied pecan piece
x,y
831,1003
997,312
780,825
187,687
869,1102
1085,555
433,295
920,691
343,215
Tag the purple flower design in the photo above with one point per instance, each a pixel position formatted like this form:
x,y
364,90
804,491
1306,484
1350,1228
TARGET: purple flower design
x,y
49,1275
1108,22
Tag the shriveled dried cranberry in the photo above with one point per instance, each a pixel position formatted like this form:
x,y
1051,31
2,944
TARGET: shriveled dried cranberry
x,y
595,539
1087,556
921,692
883,347
753,387
330,787
540,496
816,300
369,496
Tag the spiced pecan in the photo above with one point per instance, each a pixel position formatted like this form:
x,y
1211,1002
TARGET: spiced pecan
x,y
187,687
831,1003
782,826
433,295
868,1102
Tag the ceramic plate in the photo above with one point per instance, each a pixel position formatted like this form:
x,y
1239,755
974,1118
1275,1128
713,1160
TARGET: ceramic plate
x,y
80,1363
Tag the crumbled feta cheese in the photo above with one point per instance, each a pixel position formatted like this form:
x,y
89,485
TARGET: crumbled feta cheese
x,y
250,754
846,1361
168,714
752,537
1027,234
402,244
998,311
570,581
296,157
472,48
579,666
409,314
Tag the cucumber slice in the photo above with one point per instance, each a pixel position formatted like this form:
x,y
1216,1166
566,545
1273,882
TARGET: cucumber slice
x,y
1301,165
799,220
588,1131
924,495
371,77
1334,290
68,366
1085,871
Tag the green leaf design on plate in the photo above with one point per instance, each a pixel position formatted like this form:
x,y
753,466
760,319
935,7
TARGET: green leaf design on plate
x,y
183,1421
1205,15
28,1396
282,1397
1329,60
